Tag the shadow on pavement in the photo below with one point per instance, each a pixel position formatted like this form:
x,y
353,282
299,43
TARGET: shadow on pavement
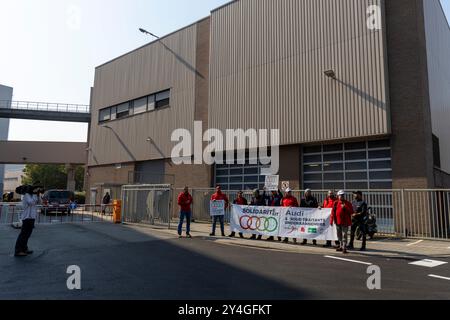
x,y
118,263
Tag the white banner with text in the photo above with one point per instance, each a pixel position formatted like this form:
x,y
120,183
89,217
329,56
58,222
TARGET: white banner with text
x,y
301,223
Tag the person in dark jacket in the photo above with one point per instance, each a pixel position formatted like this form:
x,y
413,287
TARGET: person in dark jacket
x,y
105,202
240,201
360,209
309,202
274,200
258,200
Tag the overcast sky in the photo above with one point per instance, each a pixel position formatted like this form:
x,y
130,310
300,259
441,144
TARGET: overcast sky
x,y
50,48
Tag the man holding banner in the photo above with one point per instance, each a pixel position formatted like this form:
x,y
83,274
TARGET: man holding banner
x,y
219,203
289,201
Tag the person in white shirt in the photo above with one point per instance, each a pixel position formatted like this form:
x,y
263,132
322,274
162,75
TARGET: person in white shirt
x,y
28,217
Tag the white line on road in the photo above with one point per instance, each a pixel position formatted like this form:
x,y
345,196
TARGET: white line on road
x,y
348,260
413,244
438,277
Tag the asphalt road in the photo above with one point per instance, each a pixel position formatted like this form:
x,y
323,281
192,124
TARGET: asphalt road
x,y
119,262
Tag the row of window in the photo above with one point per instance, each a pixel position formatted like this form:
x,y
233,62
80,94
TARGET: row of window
x,y
145,104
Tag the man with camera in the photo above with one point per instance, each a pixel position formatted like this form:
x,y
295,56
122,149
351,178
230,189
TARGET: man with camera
x,y
30,202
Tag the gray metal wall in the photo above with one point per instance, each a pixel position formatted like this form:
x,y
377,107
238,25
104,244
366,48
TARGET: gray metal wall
x,y
267,64
6,93
438,51
147,70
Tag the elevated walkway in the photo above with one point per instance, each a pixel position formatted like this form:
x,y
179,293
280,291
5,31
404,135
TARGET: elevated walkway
x,y
45,111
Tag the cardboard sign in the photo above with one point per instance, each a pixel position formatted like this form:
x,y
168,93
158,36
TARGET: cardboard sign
x,y
272,183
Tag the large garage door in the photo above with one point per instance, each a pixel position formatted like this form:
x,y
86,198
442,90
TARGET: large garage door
x,y
359,165
240,176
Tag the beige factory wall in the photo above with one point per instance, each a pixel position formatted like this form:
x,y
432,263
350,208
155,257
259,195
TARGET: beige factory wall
x,y
152,68
268,59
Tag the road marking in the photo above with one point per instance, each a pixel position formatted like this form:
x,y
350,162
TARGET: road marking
x,y
438,277
348,260
428,263
413,244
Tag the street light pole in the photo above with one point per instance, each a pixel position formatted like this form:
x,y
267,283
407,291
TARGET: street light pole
x,y
148,32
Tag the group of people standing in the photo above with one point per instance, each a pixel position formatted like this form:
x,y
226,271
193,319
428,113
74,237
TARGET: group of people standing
x,y
347,216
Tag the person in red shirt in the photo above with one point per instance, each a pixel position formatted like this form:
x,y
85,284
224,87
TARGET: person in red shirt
x,y
289,201
219,196
240,201
185,201
329,204
341,216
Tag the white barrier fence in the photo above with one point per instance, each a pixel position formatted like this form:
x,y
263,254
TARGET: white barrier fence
x,y
10,214
422,214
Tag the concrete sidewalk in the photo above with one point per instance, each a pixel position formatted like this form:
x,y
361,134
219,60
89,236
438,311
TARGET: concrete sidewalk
x,y
385,247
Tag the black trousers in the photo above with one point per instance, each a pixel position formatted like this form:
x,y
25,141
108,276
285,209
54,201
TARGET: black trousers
x,y
362,228
25,234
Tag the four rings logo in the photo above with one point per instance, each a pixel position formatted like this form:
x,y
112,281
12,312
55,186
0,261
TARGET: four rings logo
x,y
261,224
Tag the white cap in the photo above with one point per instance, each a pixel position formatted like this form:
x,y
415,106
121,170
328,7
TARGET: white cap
x,y
288,190
341,193
308,190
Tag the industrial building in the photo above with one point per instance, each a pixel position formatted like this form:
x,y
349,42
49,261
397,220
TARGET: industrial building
x,y
357,107
6,94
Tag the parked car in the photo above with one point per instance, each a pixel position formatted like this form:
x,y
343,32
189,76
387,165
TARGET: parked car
x,y
52,200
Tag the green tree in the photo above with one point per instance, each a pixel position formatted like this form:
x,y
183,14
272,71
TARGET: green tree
x,y
52,176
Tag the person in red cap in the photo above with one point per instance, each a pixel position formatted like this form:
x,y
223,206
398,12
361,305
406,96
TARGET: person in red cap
x,y
289,201
341,216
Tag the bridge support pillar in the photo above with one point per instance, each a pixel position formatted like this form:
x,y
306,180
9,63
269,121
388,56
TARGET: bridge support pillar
x,y
71,177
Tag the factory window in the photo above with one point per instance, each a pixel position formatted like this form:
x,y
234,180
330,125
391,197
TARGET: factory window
x,y
140,105
105,115
134,107
123,110
151,103
357,165
162,99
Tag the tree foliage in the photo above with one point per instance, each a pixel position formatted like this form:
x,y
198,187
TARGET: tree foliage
x,y
52,176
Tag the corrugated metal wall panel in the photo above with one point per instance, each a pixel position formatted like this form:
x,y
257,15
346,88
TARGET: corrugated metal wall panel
x,y
267,64
438,51
147,70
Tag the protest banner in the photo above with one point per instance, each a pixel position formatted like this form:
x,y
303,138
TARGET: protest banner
x,y
302,223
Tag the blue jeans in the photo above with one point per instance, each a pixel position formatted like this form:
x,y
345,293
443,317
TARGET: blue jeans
x,y
187,215
221,219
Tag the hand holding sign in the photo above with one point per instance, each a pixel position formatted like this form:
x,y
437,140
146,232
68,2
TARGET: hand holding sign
x,y
217,208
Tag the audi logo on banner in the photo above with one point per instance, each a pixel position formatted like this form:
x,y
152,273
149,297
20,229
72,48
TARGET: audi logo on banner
x,y
261,224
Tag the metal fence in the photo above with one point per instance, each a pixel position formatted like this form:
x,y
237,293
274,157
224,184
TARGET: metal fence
x,y
147,204
422,214
10,214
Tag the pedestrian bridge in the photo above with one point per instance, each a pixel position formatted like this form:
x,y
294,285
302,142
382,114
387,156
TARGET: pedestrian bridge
x,y
45,111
